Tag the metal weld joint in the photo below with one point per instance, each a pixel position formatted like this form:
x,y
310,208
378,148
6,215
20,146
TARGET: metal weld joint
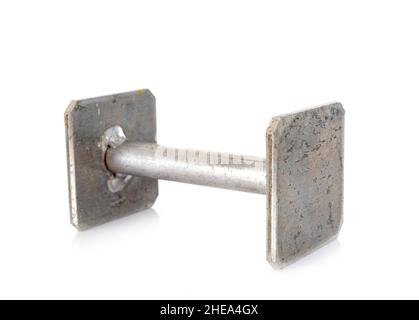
x,y
114,164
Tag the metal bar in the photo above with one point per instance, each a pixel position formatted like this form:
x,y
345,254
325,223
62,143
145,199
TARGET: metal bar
x,y
214,169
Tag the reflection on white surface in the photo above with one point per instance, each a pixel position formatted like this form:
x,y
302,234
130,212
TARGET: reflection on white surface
x,y
317,257
135,226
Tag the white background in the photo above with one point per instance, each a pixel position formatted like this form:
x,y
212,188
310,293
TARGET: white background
x,y
219,70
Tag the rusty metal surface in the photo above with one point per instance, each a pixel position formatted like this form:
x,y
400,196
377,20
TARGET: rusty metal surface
x,y
91,201
304,182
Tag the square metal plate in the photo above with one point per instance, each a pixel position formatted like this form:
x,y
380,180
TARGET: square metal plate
x,y
304,181
91,201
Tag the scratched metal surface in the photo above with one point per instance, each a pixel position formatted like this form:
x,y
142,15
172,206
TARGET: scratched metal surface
x,y
91,202
304,182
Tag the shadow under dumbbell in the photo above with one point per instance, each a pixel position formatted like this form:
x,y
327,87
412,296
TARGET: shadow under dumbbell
x,y
318,256
136,225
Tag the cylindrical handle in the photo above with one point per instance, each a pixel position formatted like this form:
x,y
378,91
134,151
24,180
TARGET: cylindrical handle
x,y
221,170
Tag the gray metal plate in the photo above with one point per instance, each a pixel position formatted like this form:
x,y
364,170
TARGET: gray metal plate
x,y
91,202
304,181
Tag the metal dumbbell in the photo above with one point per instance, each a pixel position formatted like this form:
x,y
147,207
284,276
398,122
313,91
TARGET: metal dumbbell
x,y
114,165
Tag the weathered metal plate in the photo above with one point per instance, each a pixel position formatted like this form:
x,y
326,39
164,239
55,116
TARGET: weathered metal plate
x,y
91,201
304,181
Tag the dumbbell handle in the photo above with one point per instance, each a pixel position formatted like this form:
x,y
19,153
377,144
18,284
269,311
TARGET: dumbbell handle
x,y
214,169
